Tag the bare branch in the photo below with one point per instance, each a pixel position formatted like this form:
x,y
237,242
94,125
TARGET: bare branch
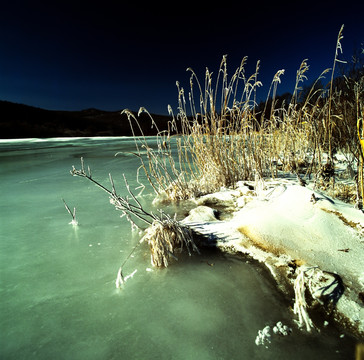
x,y
73,214
120,203
164,233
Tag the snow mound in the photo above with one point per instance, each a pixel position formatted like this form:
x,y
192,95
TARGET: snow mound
x,y
200,213
307,226
319,240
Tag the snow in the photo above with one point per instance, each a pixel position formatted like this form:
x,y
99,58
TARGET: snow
x,y
281,223
201,213
287,222
264,336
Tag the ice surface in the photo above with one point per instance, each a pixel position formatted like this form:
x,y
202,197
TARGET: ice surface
x,y
58,296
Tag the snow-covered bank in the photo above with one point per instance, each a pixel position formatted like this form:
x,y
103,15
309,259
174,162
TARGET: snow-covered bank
x,y
295,231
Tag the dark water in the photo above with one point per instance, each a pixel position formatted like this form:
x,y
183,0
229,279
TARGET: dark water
x,y
58,298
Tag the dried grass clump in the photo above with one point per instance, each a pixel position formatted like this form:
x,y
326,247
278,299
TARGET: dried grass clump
x,y
220,133
166,237
214,147
345,192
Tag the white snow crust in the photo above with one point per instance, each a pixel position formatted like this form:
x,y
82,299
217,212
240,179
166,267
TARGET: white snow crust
x,y
282,223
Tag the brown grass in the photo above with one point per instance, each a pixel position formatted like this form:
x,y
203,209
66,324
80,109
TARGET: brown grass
x,y
220,137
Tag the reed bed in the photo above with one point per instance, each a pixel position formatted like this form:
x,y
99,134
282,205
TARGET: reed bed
x,y
220,136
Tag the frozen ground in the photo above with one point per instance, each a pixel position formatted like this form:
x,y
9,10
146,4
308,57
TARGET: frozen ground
x,y
313,244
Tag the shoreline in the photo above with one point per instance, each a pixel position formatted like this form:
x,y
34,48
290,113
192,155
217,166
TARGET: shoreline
x,y
317,247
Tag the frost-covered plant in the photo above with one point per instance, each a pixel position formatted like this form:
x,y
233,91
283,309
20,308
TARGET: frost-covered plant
x,y
330,122
74,221
220,134
300,305
167,174
224,140
216,146
165,235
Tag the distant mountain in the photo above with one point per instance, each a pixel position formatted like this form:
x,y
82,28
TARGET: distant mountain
x,y
23,121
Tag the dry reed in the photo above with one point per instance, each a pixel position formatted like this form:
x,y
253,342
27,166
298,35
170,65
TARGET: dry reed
x,y
166,237
220,138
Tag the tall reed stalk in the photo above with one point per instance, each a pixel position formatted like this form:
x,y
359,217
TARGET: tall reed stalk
x,y
330,122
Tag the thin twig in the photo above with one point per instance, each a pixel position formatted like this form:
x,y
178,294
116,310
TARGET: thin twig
x,y
119,202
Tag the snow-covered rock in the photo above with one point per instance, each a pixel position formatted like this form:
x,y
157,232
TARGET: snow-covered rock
x,y
200,214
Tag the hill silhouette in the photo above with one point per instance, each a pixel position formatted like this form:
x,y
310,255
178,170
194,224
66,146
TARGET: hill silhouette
x,y
23,121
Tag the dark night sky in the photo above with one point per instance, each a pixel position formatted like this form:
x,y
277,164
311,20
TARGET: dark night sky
x,y
108,55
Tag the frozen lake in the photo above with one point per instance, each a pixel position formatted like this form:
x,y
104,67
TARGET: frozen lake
x,y
57,293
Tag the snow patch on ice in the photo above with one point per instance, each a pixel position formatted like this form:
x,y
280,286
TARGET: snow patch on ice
x,y
264,336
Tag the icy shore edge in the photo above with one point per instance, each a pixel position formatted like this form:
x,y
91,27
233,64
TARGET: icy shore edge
x,y
312,244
